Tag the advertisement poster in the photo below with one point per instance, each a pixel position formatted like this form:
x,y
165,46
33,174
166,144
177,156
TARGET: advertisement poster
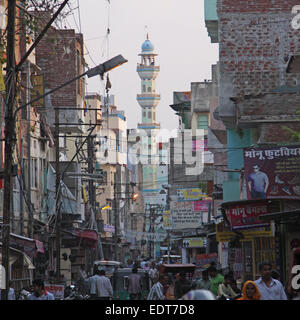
x,y
272,172
190,194
167,220
184,216
204,260
202,205
56,289
243,216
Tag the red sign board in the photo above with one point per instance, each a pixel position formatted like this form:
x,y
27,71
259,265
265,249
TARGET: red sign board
x,y
244,216
204,260
202,205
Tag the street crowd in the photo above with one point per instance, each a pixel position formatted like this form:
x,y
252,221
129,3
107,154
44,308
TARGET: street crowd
x,y
178,286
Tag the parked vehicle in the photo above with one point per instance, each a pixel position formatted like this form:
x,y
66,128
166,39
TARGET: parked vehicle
x,y
120,283
72,293
109,266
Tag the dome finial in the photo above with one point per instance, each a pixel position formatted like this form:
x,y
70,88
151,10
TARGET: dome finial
x,y
147,36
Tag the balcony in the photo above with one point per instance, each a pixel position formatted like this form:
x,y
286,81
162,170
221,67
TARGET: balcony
x,y
148,100
211,19
147,71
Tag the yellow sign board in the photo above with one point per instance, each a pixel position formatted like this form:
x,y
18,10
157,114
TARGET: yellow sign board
x,y
223,235
192,194
167,219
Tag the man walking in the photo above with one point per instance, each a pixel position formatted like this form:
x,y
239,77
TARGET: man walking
x,y
92,285
156,292
182,286
270,289
135,285
39,291
104,289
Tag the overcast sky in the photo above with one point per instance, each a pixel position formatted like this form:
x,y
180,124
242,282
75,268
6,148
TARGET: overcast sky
x,y
178,32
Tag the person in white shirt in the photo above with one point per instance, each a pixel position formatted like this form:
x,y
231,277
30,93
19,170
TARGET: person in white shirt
x,y
11,292
269,288
156,292
92,286
104,289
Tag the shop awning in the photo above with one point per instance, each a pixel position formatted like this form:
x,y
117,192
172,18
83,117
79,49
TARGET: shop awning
x,y
30,246
281,216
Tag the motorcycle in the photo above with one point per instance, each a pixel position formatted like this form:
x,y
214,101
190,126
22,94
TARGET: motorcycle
x,y
72,293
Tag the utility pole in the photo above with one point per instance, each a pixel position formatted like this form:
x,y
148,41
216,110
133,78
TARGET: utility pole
x,y
115,218
57,189
30,218
10,137
91,156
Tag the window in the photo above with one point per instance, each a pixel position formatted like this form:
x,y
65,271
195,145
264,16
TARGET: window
x,y
144,88
34,173
203,122
149,89
154,116
149,115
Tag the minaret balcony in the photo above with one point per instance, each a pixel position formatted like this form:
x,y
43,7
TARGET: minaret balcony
x,y
148,125
147,71
148,100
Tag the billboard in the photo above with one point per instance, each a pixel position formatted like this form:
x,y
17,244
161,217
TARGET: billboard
x,y
184,216
192,194
272,172
194,242
243,216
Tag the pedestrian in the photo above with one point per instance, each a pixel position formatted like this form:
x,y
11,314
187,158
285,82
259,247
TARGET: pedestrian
x,y
215,280
11,292
104,289
153,274
135,285
92,284
250,291
156,292
224,290
182,286
82,277
129,263
39,291
235,287
204,282
269,288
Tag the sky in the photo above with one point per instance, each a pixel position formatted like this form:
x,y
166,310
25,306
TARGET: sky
x,y
175,27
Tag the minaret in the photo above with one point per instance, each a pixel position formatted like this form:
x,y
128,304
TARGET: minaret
x,y
148,99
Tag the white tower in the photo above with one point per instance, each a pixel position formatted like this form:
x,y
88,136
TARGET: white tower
x,y
148,99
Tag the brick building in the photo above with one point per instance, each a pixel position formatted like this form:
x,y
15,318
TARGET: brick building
x,y
258,101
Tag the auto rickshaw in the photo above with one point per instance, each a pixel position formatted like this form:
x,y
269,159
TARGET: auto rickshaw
x,y
120,283
171,270
108,266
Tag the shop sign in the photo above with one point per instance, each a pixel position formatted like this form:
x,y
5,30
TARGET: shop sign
x,y
224,234
243,216
204,260
194,242
190,194
56,289
109,228
273,172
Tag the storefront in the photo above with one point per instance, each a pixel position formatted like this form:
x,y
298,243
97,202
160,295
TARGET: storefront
x,y
192,247
244,240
